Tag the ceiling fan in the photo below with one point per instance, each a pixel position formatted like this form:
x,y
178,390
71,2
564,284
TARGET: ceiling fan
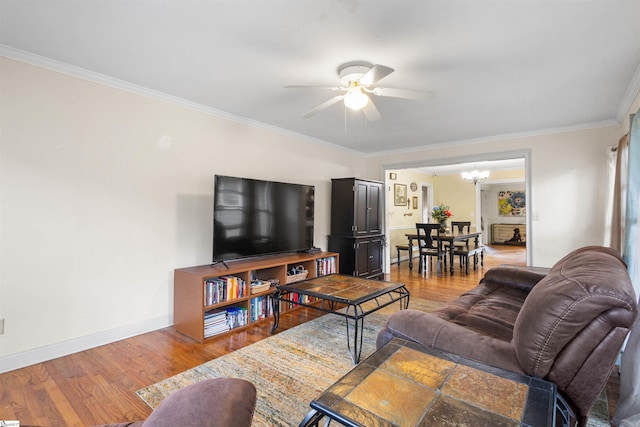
x,y
357,81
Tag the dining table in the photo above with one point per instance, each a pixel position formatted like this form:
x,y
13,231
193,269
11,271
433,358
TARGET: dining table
x,y
449,236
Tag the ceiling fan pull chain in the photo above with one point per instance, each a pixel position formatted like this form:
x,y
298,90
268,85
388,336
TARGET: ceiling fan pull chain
x,y
344,108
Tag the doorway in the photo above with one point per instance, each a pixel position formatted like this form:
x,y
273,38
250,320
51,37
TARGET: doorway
x,y
432,175
427,201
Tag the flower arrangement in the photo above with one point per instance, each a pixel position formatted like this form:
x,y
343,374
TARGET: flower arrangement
x,y
441,212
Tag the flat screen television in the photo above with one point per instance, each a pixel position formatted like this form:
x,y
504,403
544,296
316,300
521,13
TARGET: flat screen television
x,y
253,217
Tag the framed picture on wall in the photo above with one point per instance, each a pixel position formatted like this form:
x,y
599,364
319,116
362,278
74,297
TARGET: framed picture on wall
x,y
415,202
512,203
399,194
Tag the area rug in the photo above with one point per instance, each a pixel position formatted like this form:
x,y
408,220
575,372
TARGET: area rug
x,y
289,369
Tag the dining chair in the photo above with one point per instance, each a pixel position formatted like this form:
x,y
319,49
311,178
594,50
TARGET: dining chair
x,y
460,227
428,247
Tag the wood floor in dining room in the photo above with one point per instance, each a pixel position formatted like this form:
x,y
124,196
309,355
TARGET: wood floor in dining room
x,y
98,386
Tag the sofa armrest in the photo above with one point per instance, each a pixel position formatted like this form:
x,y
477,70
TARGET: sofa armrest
x,y
520,277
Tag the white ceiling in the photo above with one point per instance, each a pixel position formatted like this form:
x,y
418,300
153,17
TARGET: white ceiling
x,y
498,68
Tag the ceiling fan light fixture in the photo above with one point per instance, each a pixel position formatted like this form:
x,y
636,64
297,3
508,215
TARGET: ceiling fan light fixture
x,y
355,99
475,176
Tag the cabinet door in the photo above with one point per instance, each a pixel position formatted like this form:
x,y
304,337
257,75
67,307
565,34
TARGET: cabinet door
x,y
362,258
376,253
361,208
374,209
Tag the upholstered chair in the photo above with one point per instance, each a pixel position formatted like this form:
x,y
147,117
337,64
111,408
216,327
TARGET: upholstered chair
x,y
214,402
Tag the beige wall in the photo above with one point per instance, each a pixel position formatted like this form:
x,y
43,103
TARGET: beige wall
x,y
568,182
459,195
105,192
402,219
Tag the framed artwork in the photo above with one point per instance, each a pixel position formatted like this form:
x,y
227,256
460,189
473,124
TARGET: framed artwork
x,y
399,194
392,175
415,202
511,203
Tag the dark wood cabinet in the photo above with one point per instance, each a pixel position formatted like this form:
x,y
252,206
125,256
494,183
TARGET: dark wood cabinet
x,y
359,256
356,207
357,226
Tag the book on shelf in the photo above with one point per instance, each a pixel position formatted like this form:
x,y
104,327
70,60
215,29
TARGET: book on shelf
x,y
224,288
325,266
236,317
261,307
294,299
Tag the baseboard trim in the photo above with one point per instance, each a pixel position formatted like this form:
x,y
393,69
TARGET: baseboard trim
x,y
53,351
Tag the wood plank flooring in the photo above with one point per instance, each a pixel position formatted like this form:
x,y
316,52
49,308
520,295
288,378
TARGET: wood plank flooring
x,y
98,386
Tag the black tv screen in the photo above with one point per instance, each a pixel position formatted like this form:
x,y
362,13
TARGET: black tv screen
x,y
253,217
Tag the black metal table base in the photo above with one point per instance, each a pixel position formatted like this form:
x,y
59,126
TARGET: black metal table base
x,y
353,313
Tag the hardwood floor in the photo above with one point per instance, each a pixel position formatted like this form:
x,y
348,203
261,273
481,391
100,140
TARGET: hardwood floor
x,y
98,386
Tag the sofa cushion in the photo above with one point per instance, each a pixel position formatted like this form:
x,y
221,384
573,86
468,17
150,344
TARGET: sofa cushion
x,y
430,330
584,287
489,309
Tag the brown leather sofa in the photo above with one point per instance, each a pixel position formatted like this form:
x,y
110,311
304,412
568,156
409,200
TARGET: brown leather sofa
x,y
566,324
214,402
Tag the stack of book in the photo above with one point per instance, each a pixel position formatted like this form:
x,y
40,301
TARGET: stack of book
x,y
215,322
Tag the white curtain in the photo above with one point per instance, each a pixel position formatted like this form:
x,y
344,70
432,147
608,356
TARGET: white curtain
x,y
612,155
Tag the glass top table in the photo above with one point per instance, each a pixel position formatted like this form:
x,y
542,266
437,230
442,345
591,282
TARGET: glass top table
x,y
405,384
351,297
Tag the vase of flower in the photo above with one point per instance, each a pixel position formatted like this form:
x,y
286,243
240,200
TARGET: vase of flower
x,y
441,214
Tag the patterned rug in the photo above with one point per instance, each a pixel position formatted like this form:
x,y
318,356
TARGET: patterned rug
x,y
291,368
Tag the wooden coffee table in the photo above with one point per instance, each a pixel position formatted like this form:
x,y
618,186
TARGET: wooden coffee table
x,y
405,384
351,297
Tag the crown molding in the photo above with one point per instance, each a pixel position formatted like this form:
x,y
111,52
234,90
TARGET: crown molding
x,y
62,67
633,90
82,73
503,137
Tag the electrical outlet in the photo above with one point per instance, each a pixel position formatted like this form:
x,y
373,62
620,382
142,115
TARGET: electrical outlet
x,y
1,326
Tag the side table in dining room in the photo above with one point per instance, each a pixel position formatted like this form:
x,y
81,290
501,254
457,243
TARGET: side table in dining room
x,y
405,384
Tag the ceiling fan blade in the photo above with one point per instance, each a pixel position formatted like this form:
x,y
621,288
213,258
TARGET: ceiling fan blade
x,y
322,106
371,112
314,87
404,93
376,73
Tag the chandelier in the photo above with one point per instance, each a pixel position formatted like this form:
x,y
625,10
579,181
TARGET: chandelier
x,y
475,176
